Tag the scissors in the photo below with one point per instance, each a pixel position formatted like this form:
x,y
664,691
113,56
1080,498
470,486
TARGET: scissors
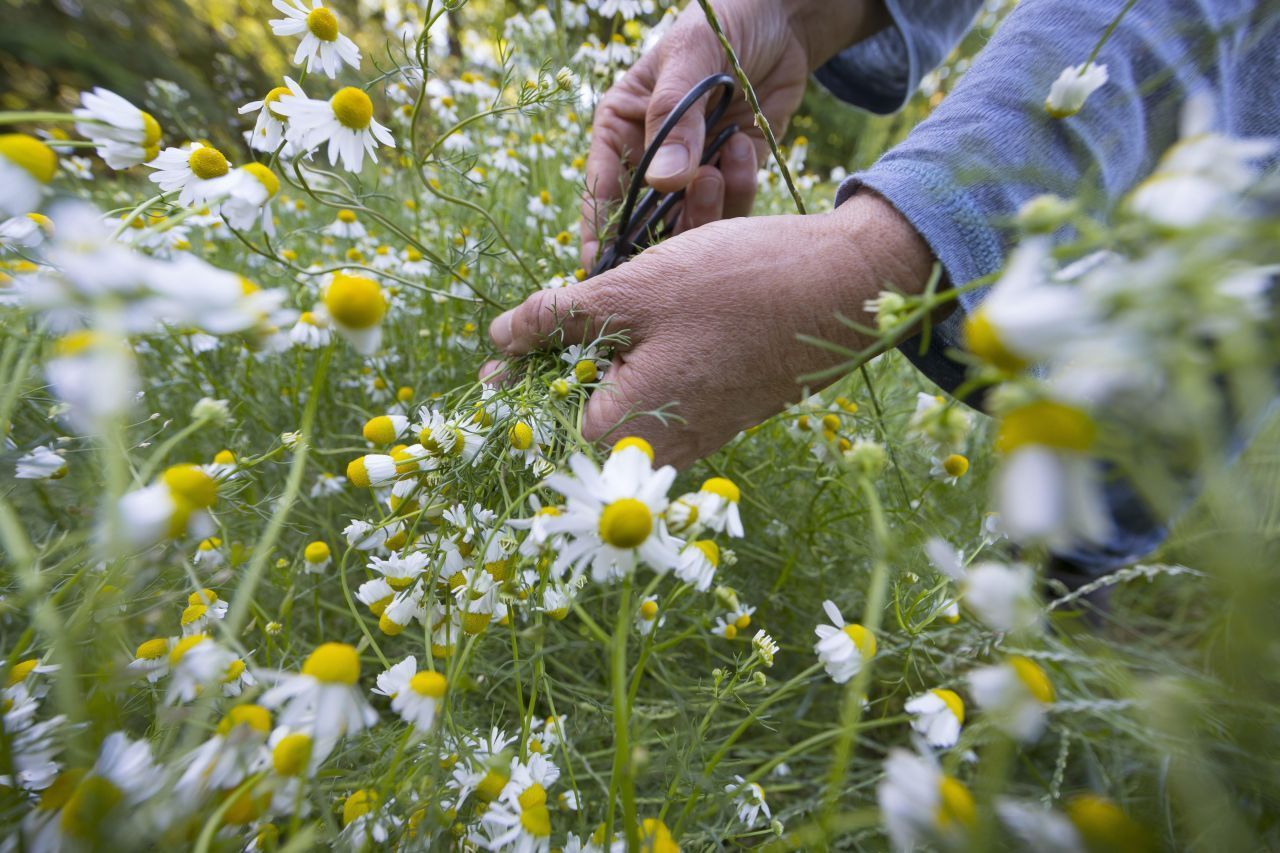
x,y
642,224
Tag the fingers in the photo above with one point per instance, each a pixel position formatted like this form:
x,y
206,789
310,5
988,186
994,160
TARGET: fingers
x,y
704,200
688,55
738,166
616,135
573,314
493,372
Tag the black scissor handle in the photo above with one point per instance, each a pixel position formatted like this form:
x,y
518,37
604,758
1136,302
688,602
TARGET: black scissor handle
x,y
641,223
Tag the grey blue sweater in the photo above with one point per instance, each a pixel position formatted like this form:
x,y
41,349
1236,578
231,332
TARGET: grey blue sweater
x,y
963,173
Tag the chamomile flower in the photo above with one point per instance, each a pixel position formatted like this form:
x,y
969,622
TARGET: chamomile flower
x,y
123,135
209,553
202,608
196,662
613,515
316,557
177,504
765,646
588,362
322,46
920,804
1017,694
295,753
346,226
186,171
312,330
698,563
414,694
345,122
937,716
748,800
123,777
373,470
843,647
152,659
324,698
718,506
365,820
41,463
26,165
224,761
268,128
1073,86
356,305
648,616
400,572
244,197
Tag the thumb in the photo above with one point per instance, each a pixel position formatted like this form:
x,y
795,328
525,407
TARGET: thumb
x,y
578,312
689,55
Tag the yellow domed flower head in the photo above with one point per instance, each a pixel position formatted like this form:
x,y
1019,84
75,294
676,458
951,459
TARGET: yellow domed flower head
x,y
983,340
632,441
358,805
956,808
29,154
207,163
292,754
224,457
264,176
626,523
1033,677
384,429
955,465
357,306
316,553
1105,827
152,649
1046,423
586,371
191,485
253,716
333,663
656,838
520,435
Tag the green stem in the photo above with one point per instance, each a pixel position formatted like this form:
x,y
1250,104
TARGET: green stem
x,y
622,780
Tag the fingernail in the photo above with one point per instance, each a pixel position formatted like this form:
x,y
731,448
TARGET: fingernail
x,y
671,160
738,147
500,329
705,192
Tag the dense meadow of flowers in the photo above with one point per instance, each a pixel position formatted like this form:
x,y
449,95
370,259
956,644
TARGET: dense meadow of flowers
x,y
279,572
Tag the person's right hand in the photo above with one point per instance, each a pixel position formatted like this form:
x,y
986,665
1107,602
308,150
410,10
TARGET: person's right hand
x,y
778,42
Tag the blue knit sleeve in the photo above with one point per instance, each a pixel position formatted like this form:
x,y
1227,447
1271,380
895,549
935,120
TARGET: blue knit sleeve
x,y
880,73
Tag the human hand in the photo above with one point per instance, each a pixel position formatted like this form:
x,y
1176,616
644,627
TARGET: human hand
x,y
712,318
778,44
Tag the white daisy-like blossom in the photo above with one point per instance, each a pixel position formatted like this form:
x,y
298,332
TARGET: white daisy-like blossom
x,y
366,821
1203,175
123,135
226,759
26,165
364,536
765,646
244,196
95,375
1073,86
152,659
324,699
346,226
32,745
613,515
24,232
1016,694
312,330
356,306
41,463
196,662
749,800
842,647
698,563
628,9
401,571
186,171
1002,596
937,716
921,804
1028,317
414,695
718,500
268,128
588,362
322,44
1039,828
1049,489
345,122
518,820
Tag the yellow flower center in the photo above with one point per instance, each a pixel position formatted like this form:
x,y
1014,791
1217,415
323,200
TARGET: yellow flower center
x,y
291,754
352,108
264,176
1033,677
743,622
355,302
30,154
649,610
656,838
316,552
21,670
274,95
84,812
333,663
564,238
586,371
864,640
150,131
1047,424
1105,827
725,488
64,785
193,613
191,484
492,784
347,216
428,683
982,339
710,550
955,804
380,430
323,24
224,457
638,443
255,717
955,465
953,702
626,523
235,669
207,162
357,473
730,631
359,804
152,649
521,435
204,596
185,645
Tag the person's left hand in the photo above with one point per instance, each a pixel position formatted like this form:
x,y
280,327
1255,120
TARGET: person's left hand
x,y
712,317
